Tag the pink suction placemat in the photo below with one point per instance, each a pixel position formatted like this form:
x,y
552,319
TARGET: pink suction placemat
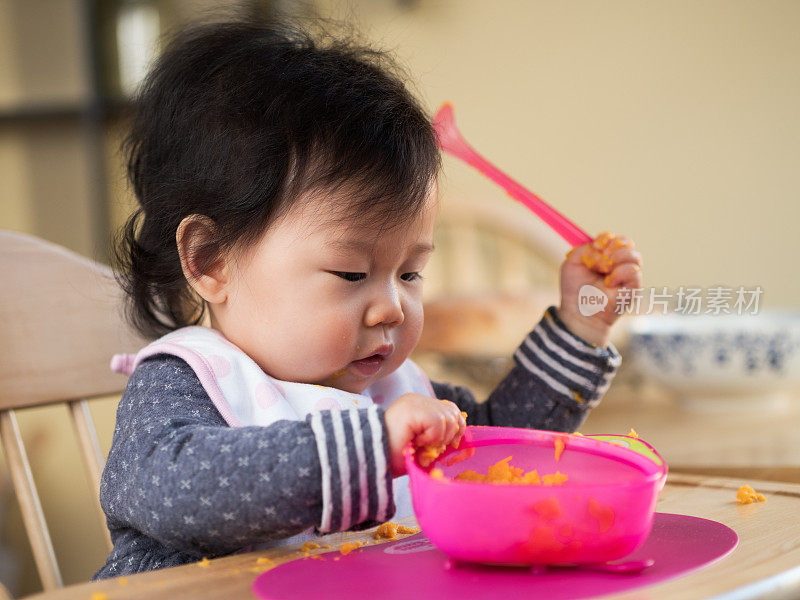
x,y
413,568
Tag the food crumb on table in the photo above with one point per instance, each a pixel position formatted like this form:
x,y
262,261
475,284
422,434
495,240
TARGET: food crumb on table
x,y
747,495
122,581
386,530
632,433
407,529
99,596
389,530
309,546
348,547
204,562
263,563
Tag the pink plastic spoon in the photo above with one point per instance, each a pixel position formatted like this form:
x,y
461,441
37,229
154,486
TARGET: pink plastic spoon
x,y
451,141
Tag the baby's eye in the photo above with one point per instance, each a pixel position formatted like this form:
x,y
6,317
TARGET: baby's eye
x,y
348,276
411,276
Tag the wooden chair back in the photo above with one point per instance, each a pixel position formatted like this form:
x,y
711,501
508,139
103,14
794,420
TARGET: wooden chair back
x,y
494,271
60,322
486,246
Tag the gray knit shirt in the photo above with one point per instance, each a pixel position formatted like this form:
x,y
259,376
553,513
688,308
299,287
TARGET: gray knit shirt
x,y
180,484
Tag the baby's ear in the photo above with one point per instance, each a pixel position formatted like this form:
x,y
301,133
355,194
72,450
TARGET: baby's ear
x,y
202,259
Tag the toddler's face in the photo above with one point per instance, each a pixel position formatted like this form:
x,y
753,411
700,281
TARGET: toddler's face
x,y
321,302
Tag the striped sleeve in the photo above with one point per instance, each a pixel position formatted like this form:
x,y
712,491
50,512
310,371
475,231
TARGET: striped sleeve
x,y
570,367
557,378
356,478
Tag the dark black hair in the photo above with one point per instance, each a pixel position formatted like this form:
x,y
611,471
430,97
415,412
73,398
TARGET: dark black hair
x,y
235,121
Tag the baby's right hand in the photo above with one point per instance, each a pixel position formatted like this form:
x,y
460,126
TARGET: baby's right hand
x,y
422,421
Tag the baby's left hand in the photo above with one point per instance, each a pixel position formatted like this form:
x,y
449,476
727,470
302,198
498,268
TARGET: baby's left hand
x,y
609,263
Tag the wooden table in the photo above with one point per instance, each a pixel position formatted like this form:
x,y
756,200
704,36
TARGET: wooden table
x,y
750,443
766,564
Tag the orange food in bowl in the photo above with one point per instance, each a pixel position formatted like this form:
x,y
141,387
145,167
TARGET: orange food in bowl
x,y
437,473
559,444
427,454
503,472
556,478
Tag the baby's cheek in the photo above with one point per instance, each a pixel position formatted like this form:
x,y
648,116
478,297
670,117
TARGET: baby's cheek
x,y
414,320
311,350
336,335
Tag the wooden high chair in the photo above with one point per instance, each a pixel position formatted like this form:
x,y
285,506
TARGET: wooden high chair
x,y
60,323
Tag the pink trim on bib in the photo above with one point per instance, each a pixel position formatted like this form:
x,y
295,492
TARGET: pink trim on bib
x,y
202,368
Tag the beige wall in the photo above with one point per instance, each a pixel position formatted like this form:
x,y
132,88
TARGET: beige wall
x,y
673,122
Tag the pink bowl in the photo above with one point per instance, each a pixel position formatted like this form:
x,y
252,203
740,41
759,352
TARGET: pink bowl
x,y
603,512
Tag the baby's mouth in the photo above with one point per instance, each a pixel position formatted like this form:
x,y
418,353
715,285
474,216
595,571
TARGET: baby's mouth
x,y
367,367
370,365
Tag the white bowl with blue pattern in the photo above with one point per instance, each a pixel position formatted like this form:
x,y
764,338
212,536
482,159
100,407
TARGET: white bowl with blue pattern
x,y
720,362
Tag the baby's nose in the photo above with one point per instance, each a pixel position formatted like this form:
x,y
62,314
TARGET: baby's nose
x,y
385,309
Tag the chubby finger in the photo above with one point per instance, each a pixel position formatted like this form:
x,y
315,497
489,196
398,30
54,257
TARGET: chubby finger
x,y
575,255
596,261
617,242
603,239
607,242
627,275
434,425
455,422
462,428
605,252
451,433
626,255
